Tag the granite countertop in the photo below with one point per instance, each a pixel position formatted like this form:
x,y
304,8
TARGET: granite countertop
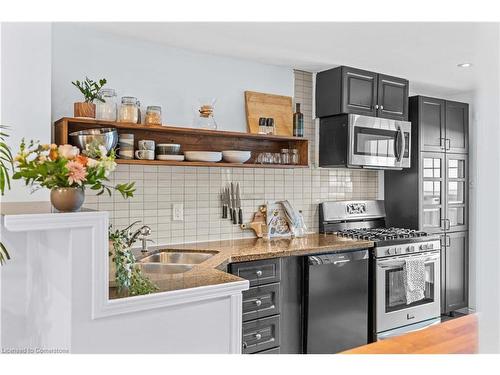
x,y
212,271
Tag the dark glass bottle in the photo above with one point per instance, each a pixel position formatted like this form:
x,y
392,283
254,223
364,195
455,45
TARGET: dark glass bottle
x,y
298,122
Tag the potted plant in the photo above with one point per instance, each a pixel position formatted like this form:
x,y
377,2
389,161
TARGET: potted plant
x,y
91,92
123,270
5,165
67,173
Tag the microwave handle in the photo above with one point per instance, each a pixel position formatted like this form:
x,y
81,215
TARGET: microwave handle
x,y
400,144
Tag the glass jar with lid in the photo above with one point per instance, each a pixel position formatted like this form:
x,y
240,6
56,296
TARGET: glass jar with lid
x,y
106,110
285,156
153,115
294,156
129,110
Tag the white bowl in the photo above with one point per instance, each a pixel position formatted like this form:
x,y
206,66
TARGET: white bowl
x,y
234,156
170,157
208,156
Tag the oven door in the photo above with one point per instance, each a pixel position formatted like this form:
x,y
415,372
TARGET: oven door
x,y
392,309
379,143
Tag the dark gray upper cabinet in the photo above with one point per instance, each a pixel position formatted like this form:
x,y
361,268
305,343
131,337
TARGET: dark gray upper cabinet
x,y
431,123
392,97
443,124
350,90
455,288
457,127
360,91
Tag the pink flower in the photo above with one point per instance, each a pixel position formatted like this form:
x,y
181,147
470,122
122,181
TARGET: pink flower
x,y
77,173
68,152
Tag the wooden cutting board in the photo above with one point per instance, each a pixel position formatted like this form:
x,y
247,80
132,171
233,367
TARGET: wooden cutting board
x,y
258,104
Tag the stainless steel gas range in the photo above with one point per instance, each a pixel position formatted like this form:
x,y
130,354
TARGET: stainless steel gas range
x,y
392,315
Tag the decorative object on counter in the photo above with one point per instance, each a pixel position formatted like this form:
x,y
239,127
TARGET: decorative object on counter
x,y
67,172
123,270
261,105
234,156
6,164
106,137
106,110
295,219
129,110
277,221
153,115
126,146
205,118
270,128
91,91
262,125
258,223
207,156
298,122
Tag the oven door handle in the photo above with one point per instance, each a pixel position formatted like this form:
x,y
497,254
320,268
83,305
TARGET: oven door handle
x,y
395,263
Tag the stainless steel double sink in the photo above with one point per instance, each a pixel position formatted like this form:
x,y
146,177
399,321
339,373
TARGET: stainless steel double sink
x,y
172,261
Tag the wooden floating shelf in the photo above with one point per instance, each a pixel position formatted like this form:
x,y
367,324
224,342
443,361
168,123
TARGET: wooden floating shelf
x,y
205,164
192,139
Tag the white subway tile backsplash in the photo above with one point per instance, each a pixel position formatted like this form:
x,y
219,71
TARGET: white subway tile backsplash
x,y
158,187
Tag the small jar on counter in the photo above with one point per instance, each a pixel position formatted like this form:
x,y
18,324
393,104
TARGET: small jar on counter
x,y
153,115
106,110
129,110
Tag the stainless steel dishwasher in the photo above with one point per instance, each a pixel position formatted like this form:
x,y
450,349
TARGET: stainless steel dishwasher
x,y
336,305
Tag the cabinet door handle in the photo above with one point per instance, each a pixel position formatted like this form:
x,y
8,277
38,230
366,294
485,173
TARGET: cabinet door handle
x,y
258,302
447,241
448,224
447,143
443,224
381,107
258,273
258,336
376,106
442,142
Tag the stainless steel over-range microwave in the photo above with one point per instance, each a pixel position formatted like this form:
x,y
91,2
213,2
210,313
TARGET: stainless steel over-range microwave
x,y
358,141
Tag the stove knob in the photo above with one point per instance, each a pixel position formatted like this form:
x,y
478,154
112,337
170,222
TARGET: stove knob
x,y
412,248
430,246
423,247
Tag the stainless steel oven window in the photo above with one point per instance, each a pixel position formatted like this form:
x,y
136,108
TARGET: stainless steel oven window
x,y
395,291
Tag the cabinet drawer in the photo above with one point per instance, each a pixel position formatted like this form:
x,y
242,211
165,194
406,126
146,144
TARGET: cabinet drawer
x,y
270,351
261,301
258,272
261,334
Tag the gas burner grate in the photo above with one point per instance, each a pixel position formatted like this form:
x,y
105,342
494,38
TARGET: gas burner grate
x,y
381,234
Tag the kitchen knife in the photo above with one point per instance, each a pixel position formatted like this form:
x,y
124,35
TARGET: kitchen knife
x,y
238,204
230,204
233,204
224,203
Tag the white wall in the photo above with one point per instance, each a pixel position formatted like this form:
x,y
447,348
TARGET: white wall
x,y
25,90
158,75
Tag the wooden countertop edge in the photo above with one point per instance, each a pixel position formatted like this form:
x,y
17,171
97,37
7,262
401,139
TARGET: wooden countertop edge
x,y
456,336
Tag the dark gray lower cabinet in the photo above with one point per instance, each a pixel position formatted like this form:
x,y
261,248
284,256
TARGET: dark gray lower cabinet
x,y
454,271
272,307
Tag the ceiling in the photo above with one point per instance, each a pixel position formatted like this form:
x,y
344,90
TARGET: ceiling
x,y
425,53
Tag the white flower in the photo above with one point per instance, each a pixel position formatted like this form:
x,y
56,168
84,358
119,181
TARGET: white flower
x,y
103,151
92,163
109,166
68,151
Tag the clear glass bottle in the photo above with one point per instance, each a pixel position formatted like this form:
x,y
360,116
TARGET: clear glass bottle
x,y
285,156
262,125
106,110
129,110
270,126
153,115
205,116
294,156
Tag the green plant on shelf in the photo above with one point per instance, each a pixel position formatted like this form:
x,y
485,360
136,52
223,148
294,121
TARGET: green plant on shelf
x,y
129,276
6,164
90,89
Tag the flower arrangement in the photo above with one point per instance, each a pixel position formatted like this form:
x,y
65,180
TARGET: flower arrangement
x,y
128,275
52,166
